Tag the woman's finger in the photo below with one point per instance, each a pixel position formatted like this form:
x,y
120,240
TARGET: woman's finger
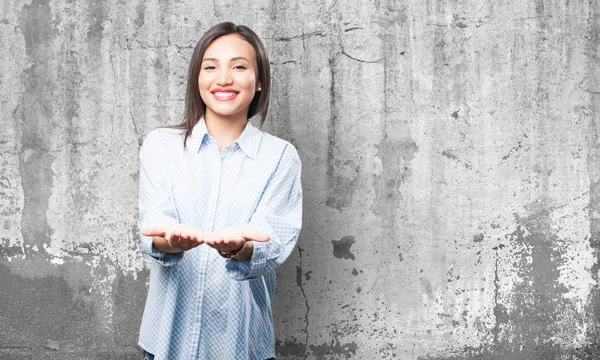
x,y
174,240
194,243
154,231
184,243
195,237
208,239
251,235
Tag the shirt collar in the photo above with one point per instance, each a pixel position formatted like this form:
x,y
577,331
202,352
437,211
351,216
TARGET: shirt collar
x,y
199,132
249,140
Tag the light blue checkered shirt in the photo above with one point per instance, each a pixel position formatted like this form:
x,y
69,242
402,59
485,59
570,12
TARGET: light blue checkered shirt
x,y
200,305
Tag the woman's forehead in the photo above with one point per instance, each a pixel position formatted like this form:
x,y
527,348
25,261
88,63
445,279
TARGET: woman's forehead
x,y
227,47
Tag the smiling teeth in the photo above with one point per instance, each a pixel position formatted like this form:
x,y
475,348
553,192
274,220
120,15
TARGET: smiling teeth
x,y
224,94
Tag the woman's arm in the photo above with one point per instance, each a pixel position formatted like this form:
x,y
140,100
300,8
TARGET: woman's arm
x,y
278,216
156,207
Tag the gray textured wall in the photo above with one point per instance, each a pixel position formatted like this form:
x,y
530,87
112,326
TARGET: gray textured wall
x,y
451,172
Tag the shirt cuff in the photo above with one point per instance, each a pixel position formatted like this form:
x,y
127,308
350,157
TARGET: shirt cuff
x,y
163,258
246,270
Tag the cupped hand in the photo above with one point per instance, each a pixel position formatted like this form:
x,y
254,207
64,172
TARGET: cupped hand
x,y
232,238
175,237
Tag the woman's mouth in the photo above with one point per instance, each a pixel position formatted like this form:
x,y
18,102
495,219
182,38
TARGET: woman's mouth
x,y
224,95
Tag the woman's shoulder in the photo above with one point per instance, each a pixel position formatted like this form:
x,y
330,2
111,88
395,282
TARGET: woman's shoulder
x,y
276,146
272,140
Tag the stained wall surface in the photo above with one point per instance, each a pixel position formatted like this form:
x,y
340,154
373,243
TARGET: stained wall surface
x,y
451,172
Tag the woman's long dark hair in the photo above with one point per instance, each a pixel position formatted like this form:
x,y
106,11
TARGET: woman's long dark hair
x,y
195,108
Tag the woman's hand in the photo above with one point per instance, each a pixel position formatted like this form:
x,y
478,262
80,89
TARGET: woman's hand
x,y
233,238
174,238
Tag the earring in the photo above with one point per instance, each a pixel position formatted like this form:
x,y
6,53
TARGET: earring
x,y
259,89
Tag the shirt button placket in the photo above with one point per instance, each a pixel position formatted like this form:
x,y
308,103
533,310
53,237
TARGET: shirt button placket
x,y
197,326
212,208
214,194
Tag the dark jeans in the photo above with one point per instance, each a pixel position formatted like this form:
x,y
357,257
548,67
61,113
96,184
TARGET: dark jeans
x,y
148,356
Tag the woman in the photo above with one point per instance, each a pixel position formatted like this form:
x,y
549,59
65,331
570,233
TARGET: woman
x,y
220,209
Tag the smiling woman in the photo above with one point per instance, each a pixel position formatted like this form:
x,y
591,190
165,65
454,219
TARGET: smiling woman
x,y
228,82
239,42
220,208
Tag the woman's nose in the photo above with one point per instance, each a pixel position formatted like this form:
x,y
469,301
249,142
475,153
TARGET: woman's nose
x,y
224,77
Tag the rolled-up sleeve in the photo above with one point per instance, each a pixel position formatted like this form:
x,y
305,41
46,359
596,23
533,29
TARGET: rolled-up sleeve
x,y
278,214
156,206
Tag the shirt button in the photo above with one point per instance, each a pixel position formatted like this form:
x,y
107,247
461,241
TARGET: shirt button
x,y
200,293
196,326
203,259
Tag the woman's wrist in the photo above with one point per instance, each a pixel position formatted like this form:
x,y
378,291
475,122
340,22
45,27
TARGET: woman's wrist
x,y
244,253
232,254
161,244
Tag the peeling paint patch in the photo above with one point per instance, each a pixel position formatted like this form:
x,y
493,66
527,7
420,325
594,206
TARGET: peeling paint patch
x,y
291,347
342,177
426,285
341,248
57,261
334,348
37,133
39,306
396,157
455,158
538,300
307,275
53,345
299,275
529,325
539,352
56,252
340,195
342,185
129,293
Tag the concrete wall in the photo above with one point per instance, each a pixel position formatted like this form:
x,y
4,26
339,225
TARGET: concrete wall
x,y
451,172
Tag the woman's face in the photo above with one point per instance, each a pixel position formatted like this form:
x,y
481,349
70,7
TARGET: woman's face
x,y
228,77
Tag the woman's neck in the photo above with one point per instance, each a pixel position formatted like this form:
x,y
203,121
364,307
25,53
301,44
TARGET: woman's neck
x,y
224,130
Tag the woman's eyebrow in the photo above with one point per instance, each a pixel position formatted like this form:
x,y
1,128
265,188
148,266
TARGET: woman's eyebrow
x,y
232,59
240,58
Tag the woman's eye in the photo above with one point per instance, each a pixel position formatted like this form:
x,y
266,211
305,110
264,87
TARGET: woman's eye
x,y
239,67
209,67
